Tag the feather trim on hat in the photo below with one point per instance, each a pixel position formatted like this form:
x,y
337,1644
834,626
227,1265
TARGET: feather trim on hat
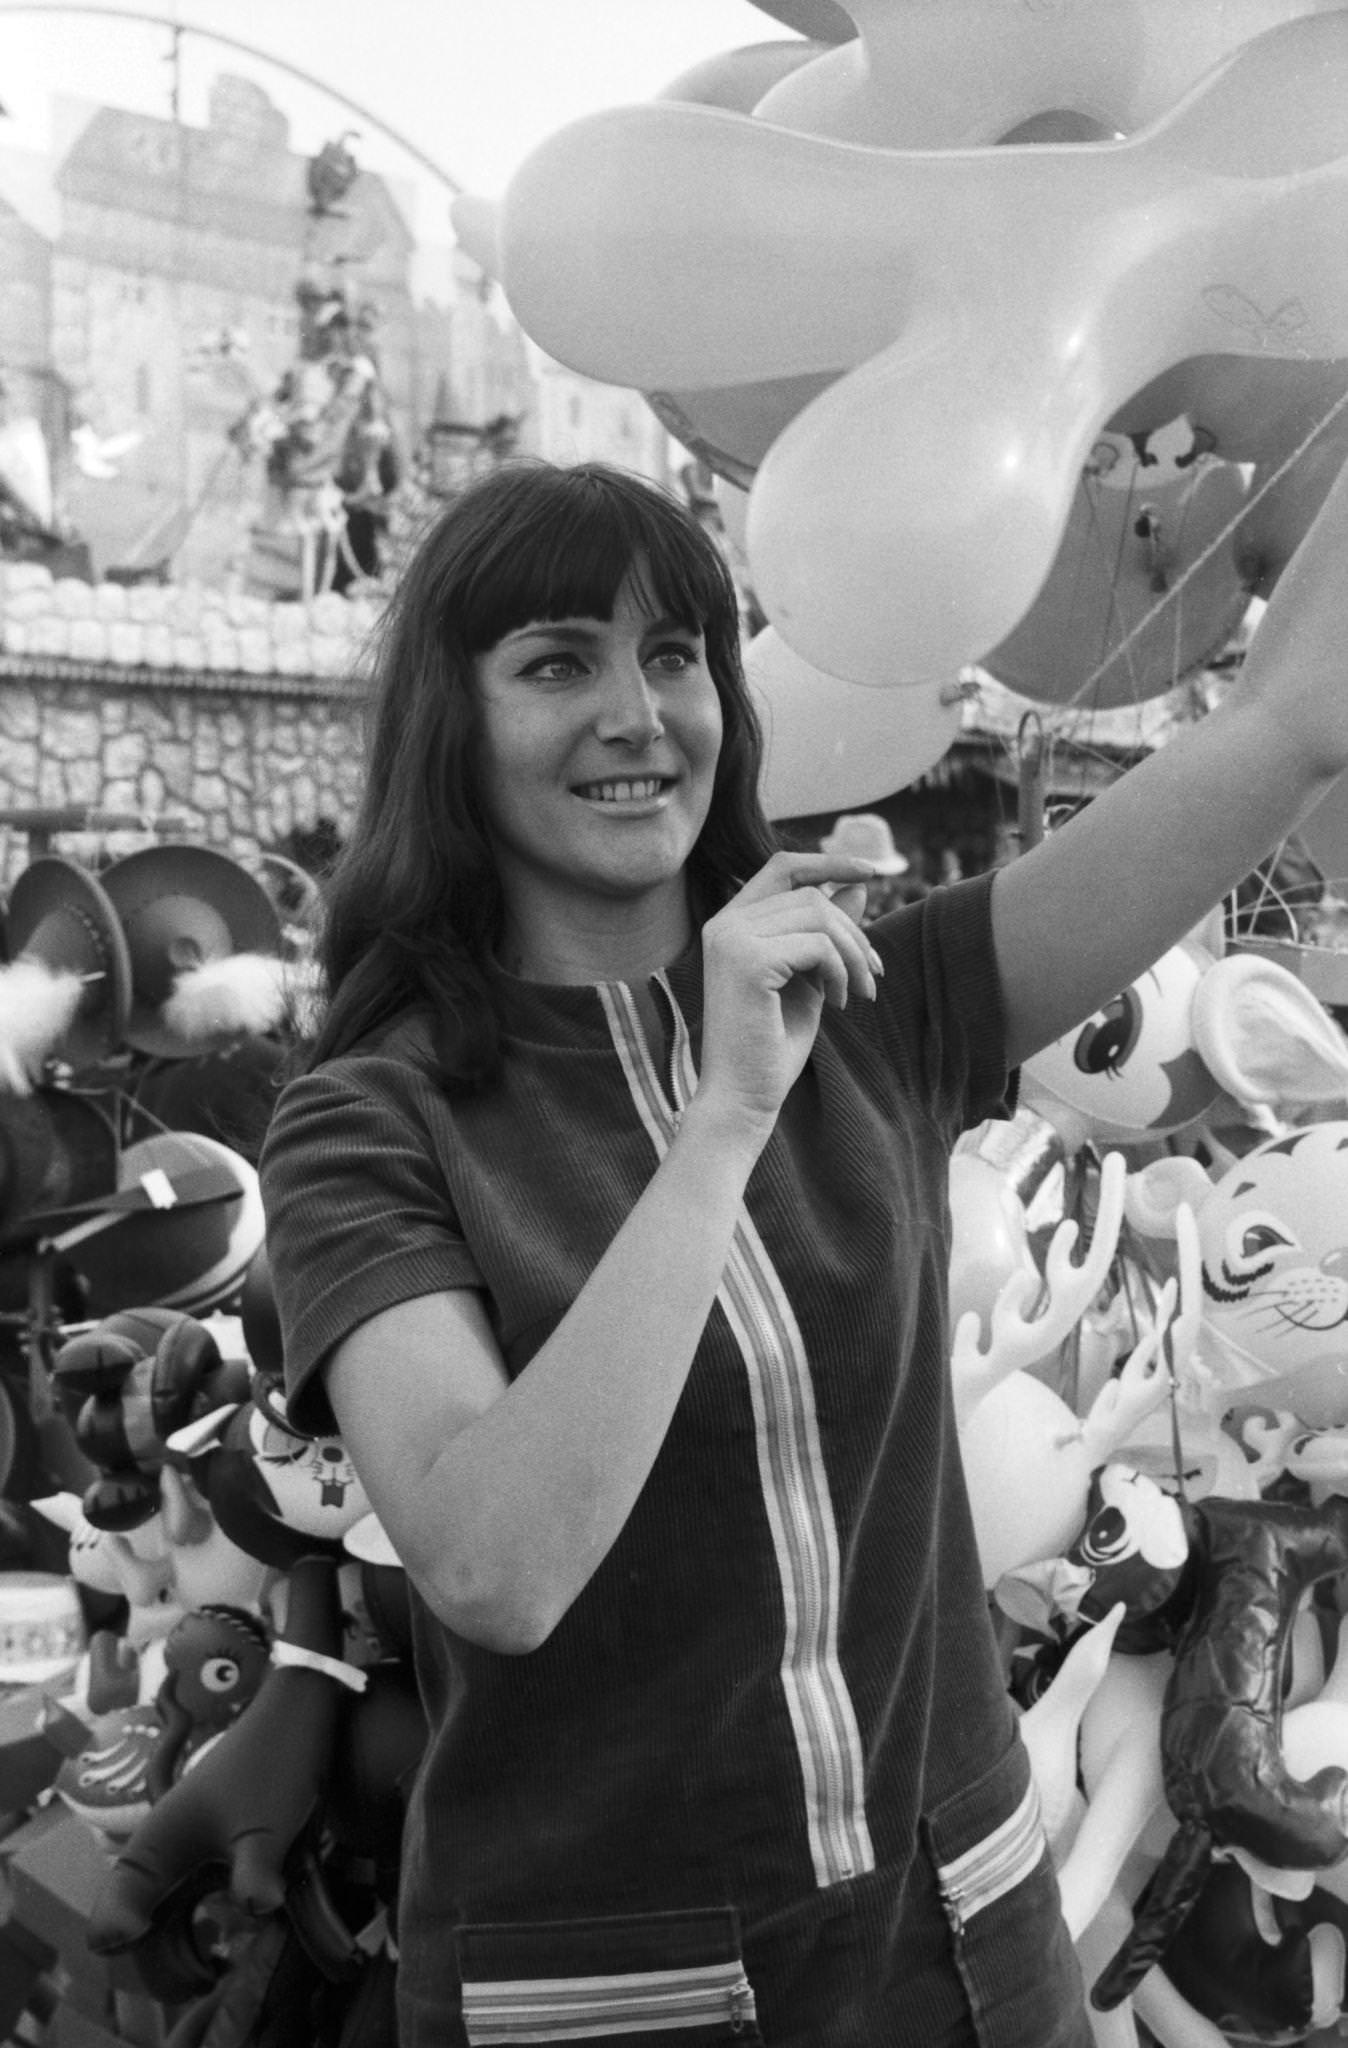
x,y
241,994
37,1008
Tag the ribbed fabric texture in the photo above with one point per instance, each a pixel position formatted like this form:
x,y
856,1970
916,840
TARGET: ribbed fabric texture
x,y
650,1755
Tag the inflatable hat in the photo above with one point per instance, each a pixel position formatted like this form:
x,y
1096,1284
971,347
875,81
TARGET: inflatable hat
x,y
204,941
189,1246
67,987
57,1153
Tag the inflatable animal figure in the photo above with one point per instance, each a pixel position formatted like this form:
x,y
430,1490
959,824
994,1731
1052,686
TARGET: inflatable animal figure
x,y
1193,1031
296,1811
1028,1457
1221,1581
276,1492
214,1662
1273,1235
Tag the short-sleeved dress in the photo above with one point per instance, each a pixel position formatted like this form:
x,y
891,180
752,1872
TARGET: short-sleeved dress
x,y
764,1774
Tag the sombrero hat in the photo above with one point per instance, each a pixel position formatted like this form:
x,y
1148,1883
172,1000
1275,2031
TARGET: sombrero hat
x,y
61,917
183,909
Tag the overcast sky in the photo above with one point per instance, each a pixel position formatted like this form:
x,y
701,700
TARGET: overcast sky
x,y
475,84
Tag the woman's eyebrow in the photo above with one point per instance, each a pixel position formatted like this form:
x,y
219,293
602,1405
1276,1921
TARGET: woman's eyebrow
x,y
581,632
575,631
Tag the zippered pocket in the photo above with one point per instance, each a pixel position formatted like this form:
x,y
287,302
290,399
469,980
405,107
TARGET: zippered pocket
x,y
1009,1941
677,1975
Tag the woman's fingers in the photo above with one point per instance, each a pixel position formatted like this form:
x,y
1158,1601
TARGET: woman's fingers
x,y
788,870
806,909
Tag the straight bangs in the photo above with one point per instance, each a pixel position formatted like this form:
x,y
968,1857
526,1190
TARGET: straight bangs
x,y
566,550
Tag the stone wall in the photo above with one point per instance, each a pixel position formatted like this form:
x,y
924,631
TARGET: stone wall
x,y
239,716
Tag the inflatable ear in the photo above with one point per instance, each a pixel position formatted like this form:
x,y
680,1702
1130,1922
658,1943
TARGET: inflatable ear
x,y
1153,1195
1050,1728
1040,1595
1265,1036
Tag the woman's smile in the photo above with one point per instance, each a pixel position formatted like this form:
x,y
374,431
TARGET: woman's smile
x,y
640,793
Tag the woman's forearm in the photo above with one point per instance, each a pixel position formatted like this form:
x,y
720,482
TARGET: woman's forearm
x,y
507,1519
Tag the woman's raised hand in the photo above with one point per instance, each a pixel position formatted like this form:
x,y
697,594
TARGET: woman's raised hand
x,y
789,942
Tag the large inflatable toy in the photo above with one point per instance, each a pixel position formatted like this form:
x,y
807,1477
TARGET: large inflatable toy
x,y
921,344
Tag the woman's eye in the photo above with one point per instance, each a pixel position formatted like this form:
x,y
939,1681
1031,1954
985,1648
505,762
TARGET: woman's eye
x,y
672,659
553,668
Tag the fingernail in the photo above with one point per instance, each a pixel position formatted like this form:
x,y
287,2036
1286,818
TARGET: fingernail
x,y
877,964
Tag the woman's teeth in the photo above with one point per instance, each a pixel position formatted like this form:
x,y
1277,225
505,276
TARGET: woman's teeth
x,y
622,792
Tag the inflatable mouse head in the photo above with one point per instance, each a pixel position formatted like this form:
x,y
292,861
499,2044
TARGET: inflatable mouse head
x,y
276,1492
1193,1029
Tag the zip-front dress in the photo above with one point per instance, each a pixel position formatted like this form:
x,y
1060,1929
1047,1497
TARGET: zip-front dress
x,y
763,1781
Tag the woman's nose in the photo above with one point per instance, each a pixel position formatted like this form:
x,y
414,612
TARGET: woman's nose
x,y
630,710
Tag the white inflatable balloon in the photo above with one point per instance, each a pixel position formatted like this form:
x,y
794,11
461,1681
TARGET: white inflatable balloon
x,y
835,746
982,314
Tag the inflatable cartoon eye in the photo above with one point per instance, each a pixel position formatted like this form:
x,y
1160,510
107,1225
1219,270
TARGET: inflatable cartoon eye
x,y
219,1674
1108,1539
1253,1237
280,1447
1106,1041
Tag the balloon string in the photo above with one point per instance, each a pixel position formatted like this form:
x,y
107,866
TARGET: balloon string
x,y
1218,540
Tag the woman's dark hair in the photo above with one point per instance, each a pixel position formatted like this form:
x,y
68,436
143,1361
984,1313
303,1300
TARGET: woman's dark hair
x,y
414,905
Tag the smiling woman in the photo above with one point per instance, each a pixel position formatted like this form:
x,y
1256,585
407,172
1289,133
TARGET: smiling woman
x,y
610,1226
